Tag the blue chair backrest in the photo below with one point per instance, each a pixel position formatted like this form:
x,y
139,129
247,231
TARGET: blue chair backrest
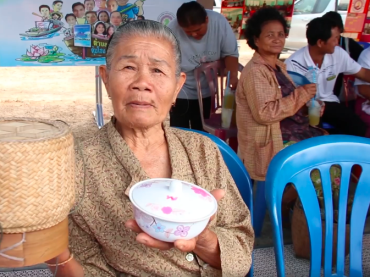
x,y
237,171
294,165
236,168
298,79
364,44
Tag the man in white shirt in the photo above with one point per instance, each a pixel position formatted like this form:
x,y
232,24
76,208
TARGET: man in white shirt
x,y
323,56
204,36
363,92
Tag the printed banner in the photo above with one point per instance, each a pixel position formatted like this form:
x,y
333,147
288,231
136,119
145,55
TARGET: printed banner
x,y
358,21
68,33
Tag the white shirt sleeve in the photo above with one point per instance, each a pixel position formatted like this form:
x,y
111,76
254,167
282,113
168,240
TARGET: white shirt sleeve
x,y
364,61
346,64
289,66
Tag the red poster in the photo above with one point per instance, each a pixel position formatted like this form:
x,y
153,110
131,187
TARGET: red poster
x,y
355,22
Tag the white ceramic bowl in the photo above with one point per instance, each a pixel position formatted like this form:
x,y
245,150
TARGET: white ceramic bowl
x,y
169,209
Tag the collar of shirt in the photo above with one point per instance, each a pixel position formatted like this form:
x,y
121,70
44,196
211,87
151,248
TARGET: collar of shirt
x,y
180,163
257,59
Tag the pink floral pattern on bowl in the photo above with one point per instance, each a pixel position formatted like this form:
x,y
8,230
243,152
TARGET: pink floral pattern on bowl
x,y
182,231
147,185
146,222
202,194
200,191
165,209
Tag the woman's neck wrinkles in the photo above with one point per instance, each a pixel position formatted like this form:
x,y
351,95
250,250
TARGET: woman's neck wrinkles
x,y
143,140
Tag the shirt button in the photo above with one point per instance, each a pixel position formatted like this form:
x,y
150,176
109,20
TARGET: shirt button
x,y
189,257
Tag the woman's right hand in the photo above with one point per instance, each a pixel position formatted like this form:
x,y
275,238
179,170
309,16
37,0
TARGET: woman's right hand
x,y
311,89
70,269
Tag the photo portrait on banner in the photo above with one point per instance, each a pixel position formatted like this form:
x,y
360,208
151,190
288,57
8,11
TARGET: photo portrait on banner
x,y
68,32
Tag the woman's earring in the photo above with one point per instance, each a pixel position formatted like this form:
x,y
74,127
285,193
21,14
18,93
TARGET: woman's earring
x,y
109,97
173,104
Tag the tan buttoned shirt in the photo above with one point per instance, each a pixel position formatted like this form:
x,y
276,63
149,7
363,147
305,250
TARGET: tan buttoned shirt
x,y
260,107
98,236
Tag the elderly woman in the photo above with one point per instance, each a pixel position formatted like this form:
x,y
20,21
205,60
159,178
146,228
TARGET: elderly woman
x,y
143,77
271,111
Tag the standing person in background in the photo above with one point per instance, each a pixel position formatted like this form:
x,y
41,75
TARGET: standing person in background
x,y
350,45
204,36
325,57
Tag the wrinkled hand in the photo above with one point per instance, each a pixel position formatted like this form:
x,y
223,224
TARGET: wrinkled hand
x,y
233,81
311,89
139,3
203,239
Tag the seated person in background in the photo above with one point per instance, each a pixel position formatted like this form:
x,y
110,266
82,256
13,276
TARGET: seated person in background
x,y
143,77
204,36
363,92
270,111
350,45
328,60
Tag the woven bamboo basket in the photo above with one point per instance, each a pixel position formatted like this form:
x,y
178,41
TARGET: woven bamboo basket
x,y
37,182
301,239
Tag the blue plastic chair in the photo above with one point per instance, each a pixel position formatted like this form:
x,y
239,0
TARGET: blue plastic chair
x,y
294,165
237,171
364,44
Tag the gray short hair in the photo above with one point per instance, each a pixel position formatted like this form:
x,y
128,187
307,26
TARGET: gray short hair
x,y
145,28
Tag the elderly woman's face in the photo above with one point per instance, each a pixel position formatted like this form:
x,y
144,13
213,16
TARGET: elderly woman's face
x,y
142,81
271,39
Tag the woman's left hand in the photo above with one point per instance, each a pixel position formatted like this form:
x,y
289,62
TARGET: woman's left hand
x,y
207,237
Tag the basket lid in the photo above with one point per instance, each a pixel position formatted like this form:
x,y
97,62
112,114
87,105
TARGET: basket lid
x,y
29,129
